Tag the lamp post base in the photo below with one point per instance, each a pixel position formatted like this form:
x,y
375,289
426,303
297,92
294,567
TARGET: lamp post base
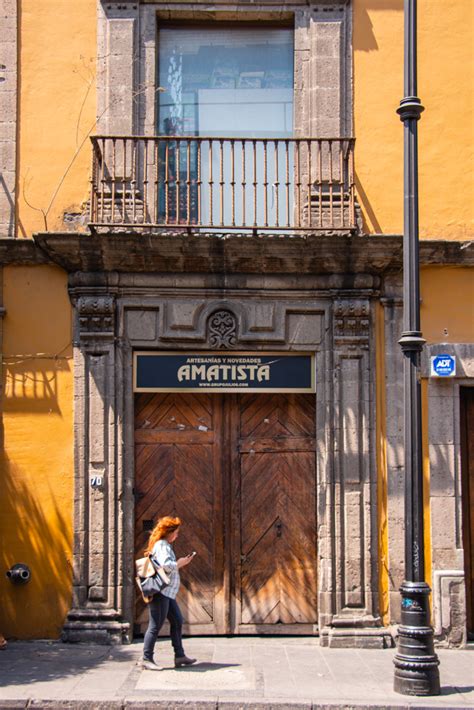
x,y
416,663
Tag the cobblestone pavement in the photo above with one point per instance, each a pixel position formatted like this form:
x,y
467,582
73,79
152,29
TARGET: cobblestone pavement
x,y
231,673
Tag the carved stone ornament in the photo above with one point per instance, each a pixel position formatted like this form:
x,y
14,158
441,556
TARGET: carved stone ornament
x,y
351,318
222,330
96,316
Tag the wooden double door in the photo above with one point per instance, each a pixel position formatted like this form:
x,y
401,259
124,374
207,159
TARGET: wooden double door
x,y
240,471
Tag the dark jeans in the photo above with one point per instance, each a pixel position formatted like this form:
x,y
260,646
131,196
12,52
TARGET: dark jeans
x,y
160,608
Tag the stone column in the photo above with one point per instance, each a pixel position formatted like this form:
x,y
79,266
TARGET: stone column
x,y
354,578
98,579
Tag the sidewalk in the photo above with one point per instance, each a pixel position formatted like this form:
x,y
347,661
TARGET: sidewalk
x,y
232,673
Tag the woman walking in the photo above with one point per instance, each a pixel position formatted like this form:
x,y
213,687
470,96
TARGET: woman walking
x,y
164,605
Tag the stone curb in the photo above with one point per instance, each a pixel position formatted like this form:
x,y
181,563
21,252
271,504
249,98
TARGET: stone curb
x,y
185,704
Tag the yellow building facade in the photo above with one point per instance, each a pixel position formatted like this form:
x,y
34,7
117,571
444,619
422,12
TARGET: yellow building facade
x,y
90,279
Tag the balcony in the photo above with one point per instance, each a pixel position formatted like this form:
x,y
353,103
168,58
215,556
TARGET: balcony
x,y
217,184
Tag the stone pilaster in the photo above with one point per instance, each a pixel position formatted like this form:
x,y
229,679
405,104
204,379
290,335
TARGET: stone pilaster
x,y
117,69
355,620
393,326
322,95
329,71
96,614
323,70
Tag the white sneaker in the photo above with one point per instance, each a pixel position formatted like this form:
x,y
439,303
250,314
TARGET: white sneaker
x,y
150,665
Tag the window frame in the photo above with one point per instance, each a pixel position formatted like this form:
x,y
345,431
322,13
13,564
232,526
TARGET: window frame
x,y
128,51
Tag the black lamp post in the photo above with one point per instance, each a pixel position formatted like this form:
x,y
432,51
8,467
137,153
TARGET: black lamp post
x,y
416,664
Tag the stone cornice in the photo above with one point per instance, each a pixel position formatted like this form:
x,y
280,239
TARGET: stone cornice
x,y
21,252
234,253
231,253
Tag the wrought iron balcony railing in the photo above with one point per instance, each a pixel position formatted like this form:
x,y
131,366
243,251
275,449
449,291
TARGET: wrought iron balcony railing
x,y
223,183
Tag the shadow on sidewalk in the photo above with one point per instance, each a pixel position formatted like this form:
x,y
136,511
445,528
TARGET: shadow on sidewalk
x,y
24,662
456,689
203,667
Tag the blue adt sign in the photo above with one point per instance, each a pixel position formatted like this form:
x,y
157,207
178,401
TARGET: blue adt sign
x,y
443,366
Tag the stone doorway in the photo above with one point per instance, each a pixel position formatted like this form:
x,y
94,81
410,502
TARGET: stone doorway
x,y
160,316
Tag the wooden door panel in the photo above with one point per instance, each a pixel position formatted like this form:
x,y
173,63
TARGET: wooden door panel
x,y
297,607
259,501
151,459
173,411
293,443
277,415
175,462
151,410
157,436
277,510
260,418
299,414
278,540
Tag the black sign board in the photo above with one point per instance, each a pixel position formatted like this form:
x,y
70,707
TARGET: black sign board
x,y
223,372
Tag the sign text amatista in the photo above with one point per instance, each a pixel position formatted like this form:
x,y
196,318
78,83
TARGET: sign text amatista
x,y
223,372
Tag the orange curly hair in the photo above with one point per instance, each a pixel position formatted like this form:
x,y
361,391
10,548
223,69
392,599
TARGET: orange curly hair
x,y
164,527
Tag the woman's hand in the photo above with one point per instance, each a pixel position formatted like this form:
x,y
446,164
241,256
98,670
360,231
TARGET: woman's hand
x,y
183,561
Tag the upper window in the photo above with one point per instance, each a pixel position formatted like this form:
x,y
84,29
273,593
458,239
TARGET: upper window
x,y
226,81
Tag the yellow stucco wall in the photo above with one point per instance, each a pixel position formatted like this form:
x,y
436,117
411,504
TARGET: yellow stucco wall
x,y
446,129
447,304
37,457
57,110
